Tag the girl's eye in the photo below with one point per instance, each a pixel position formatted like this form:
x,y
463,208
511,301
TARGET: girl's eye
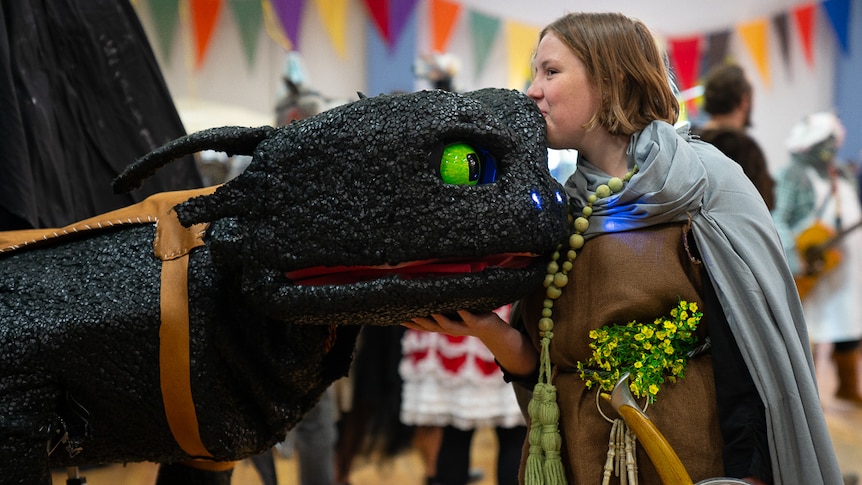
x,y
462,164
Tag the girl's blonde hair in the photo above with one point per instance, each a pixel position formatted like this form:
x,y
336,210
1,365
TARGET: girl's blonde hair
x,y
626,66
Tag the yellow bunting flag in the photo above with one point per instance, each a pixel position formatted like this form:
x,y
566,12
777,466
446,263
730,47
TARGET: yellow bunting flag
x,y
754,35
521,41
333,14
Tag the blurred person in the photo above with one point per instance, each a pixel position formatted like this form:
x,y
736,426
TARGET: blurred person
x,y
818,213
728,99
452,386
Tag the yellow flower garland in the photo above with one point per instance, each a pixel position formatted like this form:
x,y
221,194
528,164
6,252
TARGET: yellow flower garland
x,y
649,352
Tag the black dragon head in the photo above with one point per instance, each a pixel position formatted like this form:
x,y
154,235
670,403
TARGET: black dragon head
x,y
347,217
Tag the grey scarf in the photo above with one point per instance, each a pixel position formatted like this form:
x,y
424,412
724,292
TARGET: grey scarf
x,y
680,177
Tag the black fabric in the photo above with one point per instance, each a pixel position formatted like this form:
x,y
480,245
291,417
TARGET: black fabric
x,y
741,413
846,346
453,460
83,97
742,149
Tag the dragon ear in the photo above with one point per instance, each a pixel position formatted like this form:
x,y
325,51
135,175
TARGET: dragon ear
x,y
361,95
235,140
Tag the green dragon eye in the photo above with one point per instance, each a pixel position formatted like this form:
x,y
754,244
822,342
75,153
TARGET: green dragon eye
x,y
460,164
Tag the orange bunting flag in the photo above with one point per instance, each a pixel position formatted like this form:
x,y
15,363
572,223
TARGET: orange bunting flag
x,y
204,17
754,35
804,15
444,14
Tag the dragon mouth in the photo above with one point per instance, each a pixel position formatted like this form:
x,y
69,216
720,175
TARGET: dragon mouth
x,y
344,275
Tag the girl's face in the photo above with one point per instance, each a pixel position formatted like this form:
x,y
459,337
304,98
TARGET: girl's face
x,y
564,93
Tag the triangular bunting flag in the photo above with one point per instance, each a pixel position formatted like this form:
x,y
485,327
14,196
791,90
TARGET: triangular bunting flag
x,y
779,23
521,41
379,12
249,17
165,14
399,14
273,25
444,14
290,14
717,46
754,35
204,17
483,30
685,59
804,15
838,12
333,14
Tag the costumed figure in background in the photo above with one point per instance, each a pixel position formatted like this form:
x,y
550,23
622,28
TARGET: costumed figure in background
x,y
438,69
673,274
819,216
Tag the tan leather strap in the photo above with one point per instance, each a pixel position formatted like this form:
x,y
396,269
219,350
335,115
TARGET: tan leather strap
x,y
210,466
174,365
147,211
172,245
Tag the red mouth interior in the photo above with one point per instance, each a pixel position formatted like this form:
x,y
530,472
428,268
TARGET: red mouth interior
x,y
341,275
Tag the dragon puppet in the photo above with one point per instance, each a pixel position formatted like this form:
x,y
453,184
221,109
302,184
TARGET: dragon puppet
x,y
197,327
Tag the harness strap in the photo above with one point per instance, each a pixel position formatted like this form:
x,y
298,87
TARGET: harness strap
x,y
172,245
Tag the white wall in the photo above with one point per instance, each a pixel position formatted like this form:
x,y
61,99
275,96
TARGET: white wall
x,y
226,77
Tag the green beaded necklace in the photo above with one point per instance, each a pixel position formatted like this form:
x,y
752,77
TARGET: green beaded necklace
x,y
544,465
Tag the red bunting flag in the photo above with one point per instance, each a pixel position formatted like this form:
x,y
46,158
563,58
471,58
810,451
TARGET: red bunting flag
x,y
379,11
685,60
804,15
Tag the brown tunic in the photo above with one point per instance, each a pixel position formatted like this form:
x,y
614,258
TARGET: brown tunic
x,y
618,278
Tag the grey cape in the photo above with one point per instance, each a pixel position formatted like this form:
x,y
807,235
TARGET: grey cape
x,y
680,178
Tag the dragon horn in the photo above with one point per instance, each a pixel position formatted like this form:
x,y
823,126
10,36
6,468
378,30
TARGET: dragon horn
x,y
235,140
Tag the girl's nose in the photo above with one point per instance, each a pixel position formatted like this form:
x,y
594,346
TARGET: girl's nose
x,y
533,91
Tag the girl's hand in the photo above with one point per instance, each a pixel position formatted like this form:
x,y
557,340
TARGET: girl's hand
x,y
510,347
480,325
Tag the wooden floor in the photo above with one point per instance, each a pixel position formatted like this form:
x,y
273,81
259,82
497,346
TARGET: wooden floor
x,y
844,421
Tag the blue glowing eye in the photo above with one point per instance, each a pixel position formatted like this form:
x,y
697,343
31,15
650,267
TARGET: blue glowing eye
x,y
536,200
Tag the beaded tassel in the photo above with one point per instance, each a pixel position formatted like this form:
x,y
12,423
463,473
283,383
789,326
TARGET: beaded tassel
x,y
544,463
536,458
